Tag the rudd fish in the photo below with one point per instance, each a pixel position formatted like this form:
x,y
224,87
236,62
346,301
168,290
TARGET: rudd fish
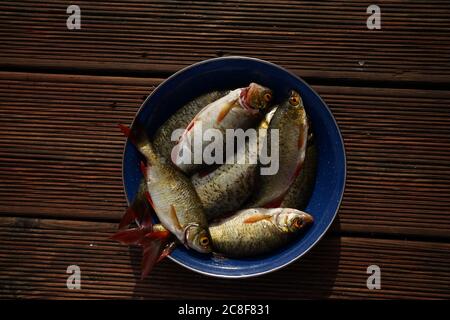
x,y
172,197
240,108
139,207
253,232
226,188
300,191
291,121
180,119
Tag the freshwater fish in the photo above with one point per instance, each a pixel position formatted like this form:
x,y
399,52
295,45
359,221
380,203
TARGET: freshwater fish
x,y
300,191
180,119
291,121
171,195
256,231
226,188
240,108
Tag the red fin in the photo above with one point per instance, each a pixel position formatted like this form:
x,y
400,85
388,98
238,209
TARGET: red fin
x,y
127,218
158,235
204,172
186,131
137,135
146,220
174,217
224,111
297,171
257,217
149,199
150,256
127,132
143,168
167,250
301,141
190,126
130,236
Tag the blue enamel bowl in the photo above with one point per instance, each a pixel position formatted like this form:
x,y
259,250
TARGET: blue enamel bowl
x,y
230,73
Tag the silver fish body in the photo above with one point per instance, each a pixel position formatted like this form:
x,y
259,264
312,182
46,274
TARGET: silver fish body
x,y
238,109
253,232
300,191
225,189
291,122
172,196
180,120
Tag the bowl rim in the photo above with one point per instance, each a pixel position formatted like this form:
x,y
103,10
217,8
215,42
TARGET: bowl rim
x,y
237,57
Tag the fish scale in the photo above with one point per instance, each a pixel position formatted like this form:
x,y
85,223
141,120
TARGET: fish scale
x,y
291,121
235,237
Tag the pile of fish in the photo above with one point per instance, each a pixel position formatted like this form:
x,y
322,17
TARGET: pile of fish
x,y
231,209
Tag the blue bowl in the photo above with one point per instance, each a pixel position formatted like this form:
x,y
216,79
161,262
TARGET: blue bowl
x,y
230,73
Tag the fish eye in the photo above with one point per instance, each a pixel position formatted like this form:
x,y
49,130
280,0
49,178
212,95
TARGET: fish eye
x,y
204,241
294,99
267,96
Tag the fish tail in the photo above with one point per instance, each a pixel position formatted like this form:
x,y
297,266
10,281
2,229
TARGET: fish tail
x,y
139,137
129,216
139,210
153,243
133,236
154,249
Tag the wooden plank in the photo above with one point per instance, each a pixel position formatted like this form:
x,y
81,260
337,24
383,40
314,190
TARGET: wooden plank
x,y
34,256
60,151
314,39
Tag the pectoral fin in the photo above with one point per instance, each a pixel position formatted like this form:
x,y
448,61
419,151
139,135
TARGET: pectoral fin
x,y
257,217
174,218
224,111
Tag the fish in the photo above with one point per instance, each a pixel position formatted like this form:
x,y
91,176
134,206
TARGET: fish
x,y
221,189
161,139
171,195
240,108
180,119
226,188
256,231
300,191
291,121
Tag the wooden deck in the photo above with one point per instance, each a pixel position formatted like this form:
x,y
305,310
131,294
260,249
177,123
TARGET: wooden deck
x,y
62,93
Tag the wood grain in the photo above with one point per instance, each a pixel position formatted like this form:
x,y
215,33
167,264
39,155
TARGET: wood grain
x,y
336,268
61,152
327,39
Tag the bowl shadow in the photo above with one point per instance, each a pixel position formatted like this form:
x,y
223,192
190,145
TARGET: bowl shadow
x,y
310,277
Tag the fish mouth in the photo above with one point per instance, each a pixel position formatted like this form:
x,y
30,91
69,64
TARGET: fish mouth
x,y
244,104
307,219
